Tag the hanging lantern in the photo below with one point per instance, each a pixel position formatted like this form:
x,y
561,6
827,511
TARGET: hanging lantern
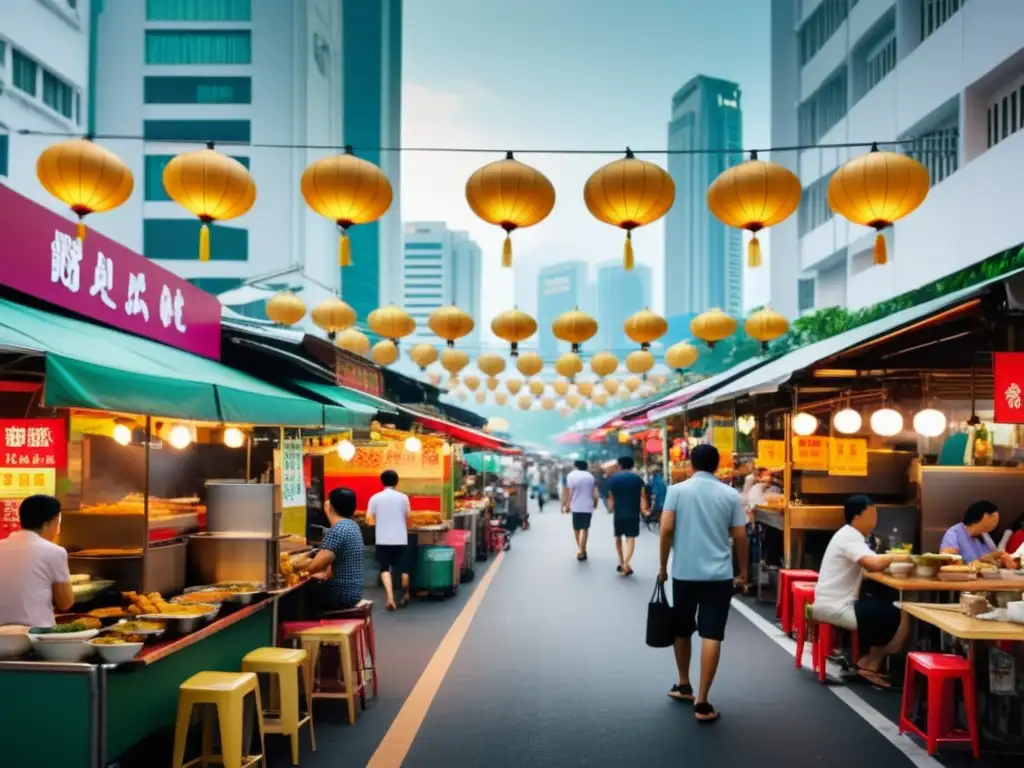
x,y
454,360
423,354
491,364
629,193
472,382
501,398
713,326
886,422
573,401
514,326
624,437
646,390
561,387
513,386
332,315
585,388
529,364
390,323
766,325
453,382
537,387
547,403
804,424
450,323
632,383
644,326
353,341
754,195
611,386
624,394
384,352
524,401
847,421
480,397
600,399
493,382
639,361
85,177
681,356
604,364
568,365
462,394
434,378
285,308
510,195
877,189
347,190
211,186
574,327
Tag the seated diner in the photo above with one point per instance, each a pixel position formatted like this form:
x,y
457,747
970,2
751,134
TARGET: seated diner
x,y
971,538
883,629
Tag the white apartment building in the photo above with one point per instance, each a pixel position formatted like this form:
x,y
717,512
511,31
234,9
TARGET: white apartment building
x,y
947,74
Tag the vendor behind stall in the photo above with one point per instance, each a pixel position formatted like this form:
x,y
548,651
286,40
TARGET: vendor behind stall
x,y
971,540
34,576
337,567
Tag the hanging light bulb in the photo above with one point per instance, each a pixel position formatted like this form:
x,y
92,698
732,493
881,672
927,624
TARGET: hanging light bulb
x,y
234,437
413,444
804,424
346,450
122,434
886,422
446,449
180,436
847,421
929,422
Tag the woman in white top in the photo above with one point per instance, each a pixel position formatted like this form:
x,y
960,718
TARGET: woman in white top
x,y
389,513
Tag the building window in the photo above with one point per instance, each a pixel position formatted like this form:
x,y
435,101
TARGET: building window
x,y
881,60
174,46
198,90
197,130
178,240
5,151
805,294
154,176
820,26
198,10
25,75
814,209
935,13
58,95
826,107
938,151
423,246
1005,113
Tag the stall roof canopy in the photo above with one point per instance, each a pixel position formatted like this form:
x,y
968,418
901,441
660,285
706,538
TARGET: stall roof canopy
x,y
90,366
673,403
362,407
467,435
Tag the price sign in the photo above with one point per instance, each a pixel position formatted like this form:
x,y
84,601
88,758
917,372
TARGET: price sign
x,y
848,456
771,454
33,443
810,452
293,487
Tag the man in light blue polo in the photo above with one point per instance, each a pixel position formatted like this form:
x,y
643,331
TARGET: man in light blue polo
x,y
704,522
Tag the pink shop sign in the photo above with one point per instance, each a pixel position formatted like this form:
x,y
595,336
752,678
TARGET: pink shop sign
x,y
102,280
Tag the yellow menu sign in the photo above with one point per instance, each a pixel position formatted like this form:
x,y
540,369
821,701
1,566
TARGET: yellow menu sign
x,y
848,456
810,452
771,454
723,438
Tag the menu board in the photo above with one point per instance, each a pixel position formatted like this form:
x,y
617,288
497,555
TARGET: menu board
x,y
723,438
811,453
292,479
848,456
771,454
32,451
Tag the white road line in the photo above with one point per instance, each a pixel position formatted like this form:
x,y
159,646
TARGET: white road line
x,y
910,749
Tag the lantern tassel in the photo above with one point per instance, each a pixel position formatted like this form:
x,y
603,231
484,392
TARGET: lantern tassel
x,y
754,252
881,256
627,253
506,251
204,242
81,230
344,250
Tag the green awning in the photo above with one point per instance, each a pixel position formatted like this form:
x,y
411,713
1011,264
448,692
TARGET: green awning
x,y
90,366
343,418
350,399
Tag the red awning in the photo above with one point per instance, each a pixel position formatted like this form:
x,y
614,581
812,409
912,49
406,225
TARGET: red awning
x,y
466,435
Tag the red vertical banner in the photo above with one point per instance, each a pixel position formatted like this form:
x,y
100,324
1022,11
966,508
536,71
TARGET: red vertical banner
x,y
1008,387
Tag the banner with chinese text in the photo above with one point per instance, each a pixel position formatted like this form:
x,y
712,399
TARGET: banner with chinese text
x,y
292,481
771,454
1008,387
355,374
422,475
33,443
848,456
810,453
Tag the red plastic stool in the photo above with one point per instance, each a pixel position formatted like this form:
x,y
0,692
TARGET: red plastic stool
x,y
803,595
364,612
783,599
940,671
825,641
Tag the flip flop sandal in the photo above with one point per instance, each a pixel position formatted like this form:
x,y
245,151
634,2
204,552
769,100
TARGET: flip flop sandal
x,y
874,678
618,569
681,693
705,713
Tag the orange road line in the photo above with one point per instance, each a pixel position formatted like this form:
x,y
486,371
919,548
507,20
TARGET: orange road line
x,y
397,742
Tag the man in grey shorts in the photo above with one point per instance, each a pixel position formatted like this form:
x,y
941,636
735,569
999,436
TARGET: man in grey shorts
x,y
580,498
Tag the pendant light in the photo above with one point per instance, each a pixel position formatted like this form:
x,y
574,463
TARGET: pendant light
x,y
804,424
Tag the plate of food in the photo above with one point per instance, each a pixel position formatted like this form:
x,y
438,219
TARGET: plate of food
x,y
957,573
117,648
144,629
184,619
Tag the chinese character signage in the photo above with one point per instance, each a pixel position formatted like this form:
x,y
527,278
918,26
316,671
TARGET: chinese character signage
x,y
293,487
810,453
33,443
771,454
99,279
352,373
1008,387
848,456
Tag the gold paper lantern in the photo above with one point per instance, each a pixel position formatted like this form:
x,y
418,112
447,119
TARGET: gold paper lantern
x,y
349,191
624,394
423,354
585,388
480,397
491,364
604,363
454,381
450,323
754,195
510,195
529,364
632,383
384,352
680,356
600,399
629,193
472,382
493,382
501,398
524,401
285,308
454,360
332,315
561,387
639,361
624,437
547,403
211,186
390,323
877,189
645,326
574,327
573,401
713,326
353,341
537,386
568,365
611,386
766,325
513,386
85,177
514,326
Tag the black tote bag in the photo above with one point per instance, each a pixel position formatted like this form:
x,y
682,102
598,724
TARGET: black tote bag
x,y
660,629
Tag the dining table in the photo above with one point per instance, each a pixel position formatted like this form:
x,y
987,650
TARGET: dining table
x,y
946,589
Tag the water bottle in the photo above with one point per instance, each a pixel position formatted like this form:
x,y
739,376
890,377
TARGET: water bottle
x,y
894,539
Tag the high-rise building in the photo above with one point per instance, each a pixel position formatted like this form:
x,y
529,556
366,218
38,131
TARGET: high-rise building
x,y
467,282
619,295
561,288
945,76
703,257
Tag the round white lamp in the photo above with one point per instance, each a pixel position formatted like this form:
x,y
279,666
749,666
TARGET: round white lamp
x,y
122,434
180,437
847,421
886,422
234,437
929,422
804,424
346,450
413,444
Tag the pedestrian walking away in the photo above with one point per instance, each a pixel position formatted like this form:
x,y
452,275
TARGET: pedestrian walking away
x,y
579,497
388,512
702,570
627,503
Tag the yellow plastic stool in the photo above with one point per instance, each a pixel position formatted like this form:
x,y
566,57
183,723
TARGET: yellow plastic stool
x,y
226,691
344,636
285,666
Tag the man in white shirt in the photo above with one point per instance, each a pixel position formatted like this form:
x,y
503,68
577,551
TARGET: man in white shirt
x,y
389,512
580,498
881,626
34,576
760,490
